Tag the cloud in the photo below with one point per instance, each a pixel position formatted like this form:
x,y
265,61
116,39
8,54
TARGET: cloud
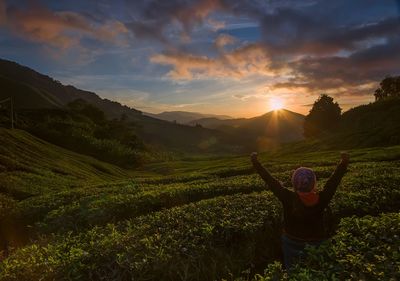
x,y
215,24
356,74
313,52
151,19
62,29
295,32
243,61
224,40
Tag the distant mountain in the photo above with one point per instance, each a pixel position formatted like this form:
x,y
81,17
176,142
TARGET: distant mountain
x,y
216,123
184,117
262,131
32,90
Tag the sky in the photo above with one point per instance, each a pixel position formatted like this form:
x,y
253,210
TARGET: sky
x,y
226,57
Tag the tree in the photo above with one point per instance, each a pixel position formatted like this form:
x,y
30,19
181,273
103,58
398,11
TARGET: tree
x,y
323,116
388,88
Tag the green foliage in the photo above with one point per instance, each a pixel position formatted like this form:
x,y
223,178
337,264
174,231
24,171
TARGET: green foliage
x,y
202,241
363,249
376,124
113,206
323,116
83,128
373,125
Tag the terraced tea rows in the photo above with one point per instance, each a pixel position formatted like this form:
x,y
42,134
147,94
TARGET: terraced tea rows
x,y
204,222
365,248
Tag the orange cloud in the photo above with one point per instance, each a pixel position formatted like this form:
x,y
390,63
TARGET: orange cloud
x,y
197,12
215,25
224,39
59,29
243,61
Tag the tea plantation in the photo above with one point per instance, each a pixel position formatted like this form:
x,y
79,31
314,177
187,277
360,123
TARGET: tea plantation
x,y
65,216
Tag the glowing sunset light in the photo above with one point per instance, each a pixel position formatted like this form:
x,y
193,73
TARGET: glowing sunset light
x,y
276,103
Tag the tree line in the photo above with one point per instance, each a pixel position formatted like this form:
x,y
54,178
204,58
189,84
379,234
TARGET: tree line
x,y
325,113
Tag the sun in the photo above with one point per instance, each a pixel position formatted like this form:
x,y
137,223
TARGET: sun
x,y
276,103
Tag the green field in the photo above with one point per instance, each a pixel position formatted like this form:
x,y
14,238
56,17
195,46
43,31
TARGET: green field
x,y
66,216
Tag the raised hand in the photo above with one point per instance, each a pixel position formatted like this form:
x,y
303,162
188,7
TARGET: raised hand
x,y
345,157
253,157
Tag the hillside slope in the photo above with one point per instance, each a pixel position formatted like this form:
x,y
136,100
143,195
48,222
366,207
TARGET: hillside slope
x,y
29,166
44,84
372,125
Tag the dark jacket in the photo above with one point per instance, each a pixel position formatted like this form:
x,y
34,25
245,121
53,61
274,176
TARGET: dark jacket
x,y
302,222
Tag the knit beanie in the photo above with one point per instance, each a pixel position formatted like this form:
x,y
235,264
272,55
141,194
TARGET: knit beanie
x,y
304,180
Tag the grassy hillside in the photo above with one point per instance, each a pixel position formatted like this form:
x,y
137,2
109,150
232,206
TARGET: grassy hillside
x,y
31,166
203,219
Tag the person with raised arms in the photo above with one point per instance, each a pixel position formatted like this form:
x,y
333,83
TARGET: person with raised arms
x,y
303,208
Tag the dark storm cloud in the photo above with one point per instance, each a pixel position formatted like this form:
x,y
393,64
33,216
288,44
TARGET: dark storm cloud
x,y
348,75
151,19
289,31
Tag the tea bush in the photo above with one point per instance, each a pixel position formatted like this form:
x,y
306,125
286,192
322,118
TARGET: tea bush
x,y
365,248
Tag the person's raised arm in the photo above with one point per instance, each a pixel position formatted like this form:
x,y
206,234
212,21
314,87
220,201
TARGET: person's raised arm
x,y
275,186
334,180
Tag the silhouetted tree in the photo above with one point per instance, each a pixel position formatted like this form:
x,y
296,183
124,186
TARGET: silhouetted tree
x,y
323,116
389,88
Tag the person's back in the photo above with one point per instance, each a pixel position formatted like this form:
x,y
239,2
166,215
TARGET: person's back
x,y
303,208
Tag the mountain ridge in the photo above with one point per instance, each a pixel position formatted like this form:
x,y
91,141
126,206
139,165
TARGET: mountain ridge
x,y
184,117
